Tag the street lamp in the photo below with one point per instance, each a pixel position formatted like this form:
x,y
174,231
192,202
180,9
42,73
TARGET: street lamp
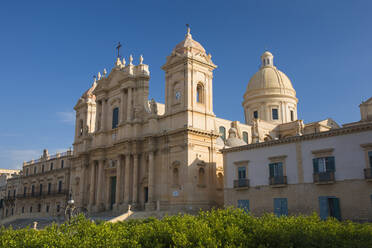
x,y
70,209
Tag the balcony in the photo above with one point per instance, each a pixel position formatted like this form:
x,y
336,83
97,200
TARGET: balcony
x,y
241,183
278,181
368,174
324,177
44,194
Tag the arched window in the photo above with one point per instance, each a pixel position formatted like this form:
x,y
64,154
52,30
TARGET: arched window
x,y
200,93
81,128
223,132
175,176
245,137
201,181
115,118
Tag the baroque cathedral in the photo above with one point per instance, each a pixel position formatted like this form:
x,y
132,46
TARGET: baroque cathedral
x,y
132,151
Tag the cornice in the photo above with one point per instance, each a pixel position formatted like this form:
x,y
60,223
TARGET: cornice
x,y
293,139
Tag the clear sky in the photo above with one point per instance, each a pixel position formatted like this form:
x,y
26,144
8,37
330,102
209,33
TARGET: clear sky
x,y
50,50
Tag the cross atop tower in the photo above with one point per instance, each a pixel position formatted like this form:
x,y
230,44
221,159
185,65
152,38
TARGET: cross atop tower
x,y
118,48
188,28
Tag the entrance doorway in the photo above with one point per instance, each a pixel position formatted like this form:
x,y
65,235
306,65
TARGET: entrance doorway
x,y
112,191
146,193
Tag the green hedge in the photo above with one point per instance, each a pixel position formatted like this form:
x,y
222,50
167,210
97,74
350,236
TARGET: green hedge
x,y
217,228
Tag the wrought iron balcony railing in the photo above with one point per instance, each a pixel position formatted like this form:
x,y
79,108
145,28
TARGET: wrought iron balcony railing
x,y
324,177
368,173
43,194
241,183
278,180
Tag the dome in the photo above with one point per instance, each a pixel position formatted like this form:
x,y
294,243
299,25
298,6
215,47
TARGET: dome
x,y
269,77
233,140
189,44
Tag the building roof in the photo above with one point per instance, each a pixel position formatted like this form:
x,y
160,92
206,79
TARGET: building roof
x,y
188,44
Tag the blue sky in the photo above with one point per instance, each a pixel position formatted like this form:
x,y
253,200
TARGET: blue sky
x,y
50,50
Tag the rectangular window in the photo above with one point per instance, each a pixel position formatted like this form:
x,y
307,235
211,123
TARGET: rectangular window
x,y
42,168
370,158
242,172
24,191
275,114
280,206
33,190
115,118
30,209
243,204
49,188
51,166
329,206
27,172
58,208
62,163
47,209
255,114
35,170
59,186
276,169
14,193
8,193
325,164
41,189
292,115
23,210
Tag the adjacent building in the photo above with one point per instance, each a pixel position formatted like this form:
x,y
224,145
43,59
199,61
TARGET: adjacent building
x,y
41,189
320,168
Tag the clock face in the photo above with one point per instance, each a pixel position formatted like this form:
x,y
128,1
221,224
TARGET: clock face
x,y
178,95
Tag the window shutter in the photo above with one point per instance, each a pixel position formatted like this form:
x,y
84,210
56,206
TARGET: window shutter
x,y
330,165
271,169
280,169
284,206
337,210
315,165
323,207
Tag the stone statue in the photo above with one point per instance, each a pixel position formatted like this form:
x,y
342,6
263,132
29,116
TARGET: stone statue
x,y
124,62
141,59
153,107
299,128
86,130
131,59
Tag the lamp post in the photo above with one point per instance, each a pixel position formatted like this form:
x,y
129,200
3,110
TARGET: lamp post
x,y
70,209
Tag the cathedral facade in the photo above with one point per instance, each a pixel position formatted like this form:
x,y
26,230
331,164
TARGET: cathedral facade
x,y
132,151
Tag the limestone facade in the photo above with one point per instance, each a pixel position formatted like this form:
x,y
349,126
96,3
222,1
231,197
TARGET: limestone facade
x,y
41,189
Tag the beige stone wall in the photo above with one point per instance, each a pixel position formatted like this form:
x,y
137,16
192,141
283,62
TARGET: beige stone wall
x,y
355,198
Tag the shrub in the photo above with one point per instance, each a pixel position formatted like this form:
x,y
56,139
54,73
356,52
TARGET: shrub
x,y
216,228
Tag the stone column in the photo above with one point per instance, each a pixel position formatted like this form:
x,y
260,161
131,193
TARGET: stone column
x,y
82,182
100,185
92,183
126,180
122,107
98,117
129,104
151,177
104,115
118,181
135,179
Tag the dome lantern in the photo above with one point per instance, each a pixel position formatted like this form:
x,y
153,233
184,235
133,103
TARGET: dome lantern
x,y
267,59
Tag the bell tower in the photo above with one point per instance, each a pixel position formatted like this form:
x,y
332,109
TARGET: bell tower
x,y
189,76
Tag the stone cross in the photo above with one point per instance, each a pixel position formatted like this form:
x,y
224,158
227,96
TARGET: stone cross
x,y
118,48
